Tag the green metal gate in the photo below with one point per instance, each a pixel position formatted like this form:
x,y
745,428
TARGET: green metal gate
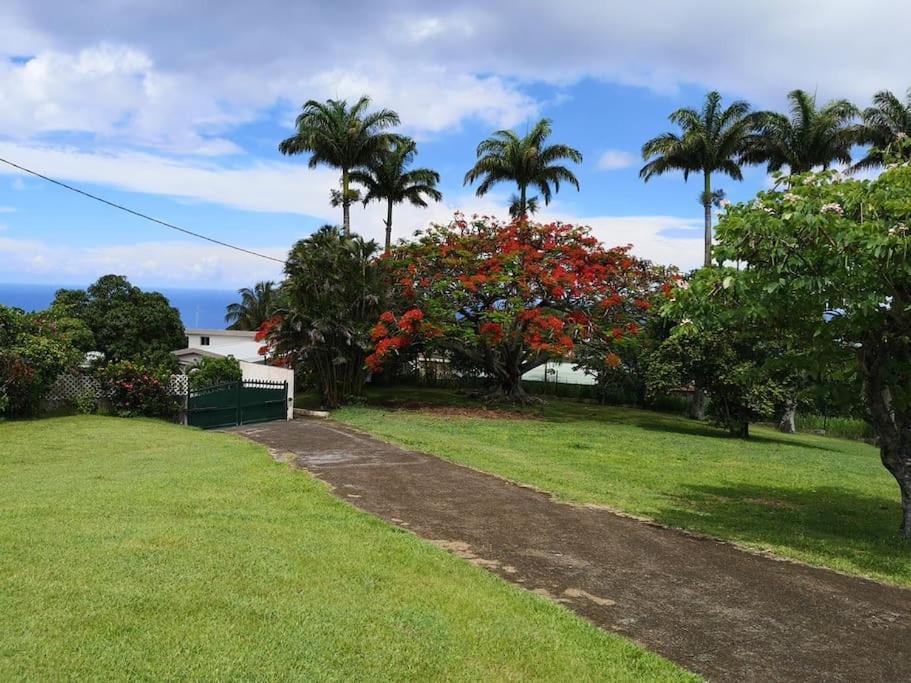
x,y
237,403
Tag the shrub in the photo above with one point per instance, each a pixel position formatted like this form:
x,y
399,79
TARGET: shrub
x,y
34,350
139,391
85,402
208,371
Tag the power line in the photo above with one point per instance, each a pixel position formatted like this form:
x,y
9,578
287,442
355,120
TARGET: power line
x,y
139,213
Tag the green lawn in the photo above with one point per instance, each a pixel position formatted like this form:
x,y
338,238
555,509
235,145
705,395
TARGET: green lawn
x,y
826,501
134,549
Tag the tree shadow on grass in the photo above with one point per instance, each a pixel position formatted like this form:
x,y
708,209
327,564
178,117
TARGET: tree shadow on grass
x,y
830,525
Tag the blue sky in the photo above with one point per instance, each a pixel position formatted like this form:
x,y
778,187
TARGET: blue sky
x,y
177,111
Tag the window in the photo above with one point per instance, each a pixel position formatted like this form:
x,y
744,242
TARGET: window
x,y
203,341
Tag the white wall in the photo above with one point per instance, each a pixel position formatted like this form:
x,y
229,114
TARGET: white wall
x,y
272,374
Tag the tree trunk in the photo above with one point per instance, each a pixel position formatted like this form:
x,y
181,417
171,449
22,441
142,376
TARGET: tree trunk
x,y
707,206
741,430
346,205
523,208
389,226
787,423
893,428
697,408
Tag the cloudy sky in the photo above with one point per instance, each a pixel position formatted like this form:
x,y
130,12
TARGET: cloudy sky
x,y
176,108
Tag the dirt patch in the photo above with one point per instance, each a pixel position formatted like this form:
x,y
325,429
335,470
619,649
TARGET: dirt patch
x,y
482,412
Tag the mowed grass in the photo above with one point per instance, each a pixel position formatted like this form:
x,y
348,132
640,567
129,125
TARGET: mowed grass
x,y
133,549
825,501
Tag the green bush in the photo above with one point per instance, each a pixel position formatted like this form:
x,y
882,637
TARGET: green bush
x,y
842,427
139,391
209,371
35,348
85,402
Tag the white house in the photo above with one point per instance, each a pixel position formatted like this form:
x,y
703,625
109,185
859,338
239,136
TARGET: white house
x,y
240,344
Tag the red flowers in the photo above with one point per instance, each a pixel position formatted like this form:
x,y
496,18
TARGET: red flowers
x,y
378,332
492,332
387,317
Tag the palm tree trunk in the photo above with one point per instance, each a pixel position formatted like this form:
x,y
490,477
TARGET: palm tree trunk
x,y
346,204
523,208
707,206
388,226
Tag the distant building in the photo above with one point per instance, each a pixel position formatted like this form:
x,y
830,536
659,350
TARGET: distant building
x,y
205,342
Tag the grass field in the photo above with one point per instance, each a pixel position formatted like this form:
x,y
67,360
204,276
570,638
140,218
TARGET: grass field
x,y
134,549
825,501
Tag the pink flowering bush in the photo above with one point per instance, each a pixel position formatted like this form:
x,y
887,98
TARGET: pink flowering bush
x,y
139,391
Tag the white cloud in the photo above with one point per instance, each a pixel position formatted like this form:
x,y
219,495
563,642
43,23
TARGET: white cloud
x,y
613,159
167,263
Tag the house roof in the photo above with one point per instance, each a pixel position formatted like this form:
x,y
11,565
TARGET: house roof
x,y
209,332
242,350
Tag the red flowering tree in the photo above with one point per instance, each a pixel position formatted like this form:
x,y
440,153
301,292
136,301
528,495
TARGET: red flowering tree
x,y
512,296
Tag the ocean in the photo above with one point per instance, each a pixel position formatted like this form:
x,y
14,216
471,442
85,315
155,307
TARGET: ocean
x,y
198,307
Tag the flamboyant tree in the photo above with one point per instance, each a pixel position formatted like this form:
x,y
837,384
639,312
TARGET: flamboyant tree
x,y
830,262
511,296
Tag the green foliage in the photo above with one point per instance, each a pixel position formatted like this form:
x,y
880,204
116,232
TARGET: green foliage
x,y
830,262
209,371
139,391
85,402
335,292
726,366
812,136
885,125
388,178
35,349
343,137
526,161
841,427
256,305
125,322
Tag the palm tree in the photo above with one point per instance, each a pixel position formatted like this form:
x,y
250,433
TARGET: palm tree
x,y
343,137
887,121
388,178
526,161
256,306
711,140
812,136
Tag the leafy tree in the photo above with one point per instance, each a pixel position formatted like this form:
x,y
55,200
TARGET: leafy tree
x,y
812,137
256,305
511,297
35,349
885,124
712,140
126,323
344,137
335,291
830,261
526,161
388,178
208,371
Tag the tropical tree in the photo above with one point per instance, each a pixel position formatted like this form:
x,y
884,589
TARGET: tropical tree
x,y
334,295
256,305
126,322
885,123
830,263
343,137
712,140
387,178
526,161
508,297
811,137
